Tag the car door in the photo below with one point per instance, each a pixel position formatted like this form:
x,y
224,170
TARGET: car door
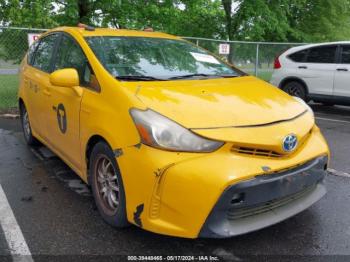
x,y
64,121
318,69
36,78
342,73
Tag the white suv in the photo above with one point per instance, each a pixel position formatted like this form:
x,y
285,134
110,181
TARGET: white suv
x,y
319,72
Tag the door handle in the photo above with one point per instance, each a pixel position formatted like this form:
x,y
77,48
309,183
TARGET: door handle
x,y
46,92
302,67
342,69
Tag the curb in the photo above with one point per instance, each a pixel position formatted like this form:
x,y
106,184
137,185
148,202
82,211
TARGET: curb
x,y
9,116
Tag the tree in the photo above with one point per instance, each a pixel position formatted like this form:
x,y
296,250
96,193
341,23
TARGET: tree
x,y
259,20
72,12
27,13
324,20
287,20
283,21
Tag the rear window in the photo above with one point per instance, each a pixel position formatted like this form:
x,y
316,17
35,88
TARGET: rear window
x,y
299,56
322,54
345,55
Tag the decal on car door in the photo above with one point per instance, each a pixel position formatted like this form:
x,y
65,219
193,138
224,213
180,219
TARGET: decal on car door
x,y
62,118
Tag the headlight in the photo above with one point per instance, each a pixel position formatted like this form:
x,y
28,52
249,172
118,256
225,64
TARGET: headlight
x,y
160,132
301,101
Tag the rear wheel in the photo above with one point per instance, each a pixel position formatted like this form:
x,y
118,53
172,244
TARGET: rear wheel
x,y
27,130
295,89
107,186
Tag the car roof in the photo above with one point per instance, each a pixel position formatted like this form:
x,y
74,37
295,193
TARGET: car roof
x,y
111,32
302,47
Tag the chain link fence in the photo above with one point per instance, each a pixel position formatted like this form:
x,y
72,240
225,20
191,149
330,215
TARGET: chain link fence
x,y
13,46
254,58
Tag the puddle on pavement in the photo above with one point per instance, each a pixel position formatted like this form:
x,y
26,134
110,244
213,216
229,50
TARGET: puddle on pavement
x,y
4,132
61,171
47,161
79,186
46,153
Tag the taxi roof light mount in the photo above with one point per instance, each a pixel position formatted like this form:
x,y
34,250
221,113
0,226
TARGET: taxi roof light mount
x,y
148,29
86,27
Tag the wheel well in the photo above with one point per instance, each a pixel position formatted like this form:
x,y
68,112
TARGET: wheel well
x,y
294,79
20,103
90,145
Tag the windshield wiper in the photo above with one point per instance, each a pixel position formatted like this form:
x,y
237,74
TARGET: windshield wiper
x,y
203,75
191,75
139,78
229,76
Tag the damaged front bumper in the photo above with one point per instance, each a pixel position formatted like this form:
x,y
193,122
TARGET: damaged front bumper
x,y
266,200
180,192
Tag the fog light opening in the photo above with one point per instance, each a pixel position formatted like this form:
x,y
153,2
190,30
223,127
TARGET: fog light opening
x,y
237,198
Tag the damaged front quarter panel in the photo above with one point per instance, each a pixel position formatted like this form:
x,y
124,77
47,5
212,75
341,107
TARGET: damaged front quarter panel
x,y
137,215
118,152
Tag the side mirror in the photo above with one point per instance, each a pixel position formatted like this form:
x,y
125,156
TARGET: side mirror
x,y
67,77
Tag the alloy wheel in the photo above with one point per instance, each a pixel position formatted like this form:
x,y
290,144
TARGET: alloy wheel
x,y
26,124
107,184
294,91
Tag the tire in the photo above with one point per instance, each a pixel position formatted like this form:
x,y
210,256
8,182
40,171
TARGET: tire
x,y
295,88
26,127
105,178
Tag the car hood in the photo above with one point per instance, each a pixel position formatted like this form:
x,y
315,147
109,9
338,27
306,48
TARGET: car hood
x,y
215,103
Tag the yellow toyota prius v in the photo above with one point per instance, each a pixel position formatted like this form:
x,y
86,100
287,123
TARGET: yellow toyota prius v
x,y
169,137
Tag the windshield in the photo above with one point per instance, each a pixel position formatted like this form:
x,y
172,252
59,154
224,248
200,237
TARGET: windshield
x,y
143,58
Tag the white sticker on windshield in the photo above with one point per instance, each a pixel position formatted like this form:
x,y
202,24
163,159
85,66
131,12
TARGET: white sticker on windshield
x,y
205,58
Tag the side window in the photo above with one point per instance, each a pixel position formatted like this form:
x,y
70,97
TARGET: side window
x,y
322,54
345,54
70,55
31,51
43,53
299,56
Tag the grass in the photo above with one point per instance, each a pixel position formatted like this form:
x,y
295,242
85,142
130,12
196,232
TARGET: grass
x,y
8,91
265,75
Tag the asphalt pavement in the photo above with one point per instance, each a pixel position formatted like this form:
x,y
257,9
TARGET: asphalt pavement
x,y
58,220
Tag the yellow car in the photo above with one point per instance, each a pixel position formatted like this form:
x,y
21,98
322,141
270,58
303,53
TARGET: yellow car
x,y
169,137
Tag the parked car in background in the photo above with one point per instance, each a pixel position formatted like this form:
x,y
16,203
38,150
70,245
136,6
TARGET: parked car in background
x,y
318,72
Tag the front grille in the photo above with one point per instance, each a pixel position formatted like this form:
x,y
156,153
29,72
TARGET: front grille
x,y
255,152
238,213
264,152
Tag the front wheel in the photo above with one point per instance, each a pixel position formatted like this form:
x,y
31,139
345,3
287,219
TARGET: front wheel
x,y
107,186
295,89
